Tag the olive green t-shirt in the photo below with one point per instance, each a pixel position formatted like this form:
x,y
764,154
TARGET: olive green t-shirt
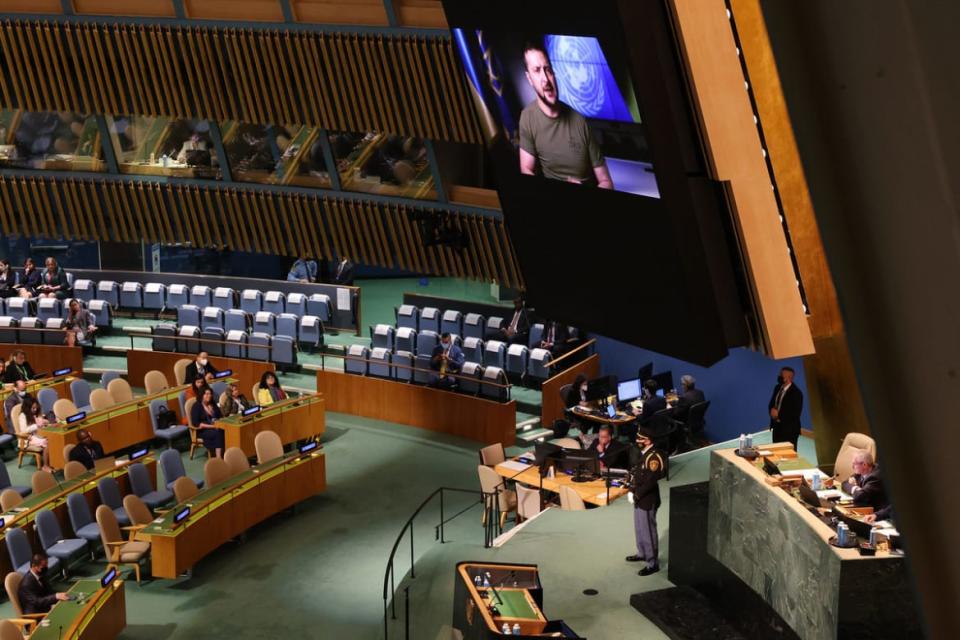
x,y
563,146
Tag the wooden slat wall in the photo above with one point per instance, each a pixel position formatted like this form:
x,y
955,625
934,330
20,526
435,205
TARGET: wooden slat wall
x,y
409,85
257,220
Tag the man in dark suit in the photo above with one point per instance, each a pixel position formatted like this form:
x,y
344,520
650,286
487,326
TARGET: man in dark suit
x,y
612,454
555,338
87,450
34,593
517,328
785,406
446,358
343,273
200,368
689,396
865,485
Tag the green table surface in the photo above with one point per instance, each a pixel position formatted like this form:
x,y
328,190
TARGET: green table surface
x,y
515,605
164,525
63,614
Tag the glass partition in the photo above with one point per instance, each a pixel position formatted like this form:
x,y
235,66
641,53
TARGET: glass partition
x,y
61,141
383,164
275,154
164,147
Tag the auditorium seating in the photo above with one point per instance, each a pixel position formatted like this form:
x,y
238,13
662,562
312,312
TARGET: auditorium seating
x,y
154,296
405,339
474,326
131,295
408,316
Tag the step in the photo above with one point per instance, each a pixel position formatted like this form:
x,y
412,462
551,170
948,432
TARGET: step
x,y
533,435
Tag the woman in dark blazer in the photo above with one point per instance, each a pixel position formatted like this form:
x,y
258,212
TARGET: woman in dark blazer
x,y
29,280
204,415
53,281
7,280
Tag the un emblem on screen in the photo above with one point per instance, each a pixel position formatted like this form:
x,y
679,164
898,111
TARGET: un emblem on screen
x,y
578,74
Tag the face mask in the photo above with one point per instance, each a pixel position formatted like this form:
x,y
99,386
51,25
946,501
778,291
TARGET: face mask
x,y
203,362
22,394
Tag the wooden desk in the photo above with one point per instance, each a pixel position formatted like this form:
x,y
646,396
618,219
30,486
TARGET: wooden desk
x,y
224,511
485,421
293,419
117,427
101,615
245,372
46,358
593,492
554,406
55,500
775,545
616,421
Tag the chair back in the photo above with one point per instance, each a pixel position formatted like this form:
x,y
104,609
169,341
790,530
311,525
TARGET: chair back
x,y
696,417
570,500
80,392
268,446
491,482
184,488
101,399
109,528
42,480
73,469
4,477
119,389
215,471
64,408
139,479
67,448
12,584
853,443
47,397
79,511
137,510
48,528
528,501
180,370
172,465
564,392
18,546
15,417
255,390
492,455
9,498
567,443
154,382
109,492
107,376
8,630
236,459
188,410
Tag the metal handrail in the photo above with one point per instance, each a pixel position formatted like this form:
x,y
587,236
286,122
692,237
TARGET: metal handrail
x,y
389,595
588,343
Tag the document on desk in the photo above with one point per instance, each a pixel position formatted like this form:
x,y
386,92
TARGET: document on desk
x,y
514,465
830,494
806,473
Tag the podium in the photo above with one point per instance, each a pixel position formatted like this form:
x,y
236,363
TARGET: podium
x,y
506,594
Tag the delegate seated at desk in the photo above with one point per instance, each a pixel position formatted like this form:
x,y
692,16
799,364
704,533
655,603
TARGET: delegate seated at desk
x,y
18,368
865,485
32,419
270,390
689,396
234,401
610,453
652,404
34,593
204,415
446,358
87,450
17,397
200,368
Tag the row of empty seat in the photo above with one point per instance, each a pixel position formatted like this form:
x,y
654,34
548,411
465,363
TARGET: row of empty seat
x,y
466,325
402,366
516,359
154,296
44,309
279,349
284,324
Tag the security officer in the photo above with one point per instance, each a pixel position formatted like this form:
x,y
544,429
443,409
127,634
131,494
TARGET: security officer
x,y
645,473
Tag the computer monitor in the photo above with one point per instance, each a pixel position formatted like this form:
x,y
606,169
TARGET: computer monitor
x,y
664,380
545,451
809,495
583,464
611,411
600,388
628,390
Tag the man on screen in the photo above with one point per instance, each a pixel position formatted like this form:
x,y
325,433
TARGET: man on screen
x,y
555,136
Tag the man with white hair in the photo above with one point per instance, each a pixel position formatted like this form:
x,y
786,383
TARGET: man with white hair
x,y
865,485
689,396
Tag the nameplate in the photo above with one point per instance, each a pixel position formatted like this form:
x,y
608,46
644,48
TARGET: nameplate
x,y
251,411
223,374
62,372
108,578
181,515
310,446
138,454
2,523
77,417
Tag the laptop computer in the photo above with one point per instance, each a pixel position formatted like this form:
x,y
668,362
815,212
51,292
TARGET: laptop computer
x,y
770,468
104,464
810,497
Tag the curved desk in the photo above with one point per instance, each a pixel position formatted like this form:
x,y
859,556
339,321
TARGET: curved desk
x,y
101,615
46,358
293,419
224,511
593,492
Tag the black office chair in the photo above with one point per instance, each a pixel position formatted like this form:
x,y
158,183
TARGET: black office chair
x,y
694,425
666,430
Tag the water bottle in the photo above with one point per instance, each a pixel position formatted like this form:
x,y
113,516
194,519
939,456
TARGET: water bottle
x,y
816,482
506,629
476,580
873,537
743,442
516,628
841,535
486,581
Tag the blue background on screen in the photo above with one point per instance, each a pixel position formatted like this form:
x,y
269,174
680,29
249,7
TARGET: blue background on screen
x,y
584,79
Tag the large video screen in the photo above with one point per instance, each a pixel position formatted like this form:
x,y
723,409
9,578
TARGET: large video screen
x,y
564,102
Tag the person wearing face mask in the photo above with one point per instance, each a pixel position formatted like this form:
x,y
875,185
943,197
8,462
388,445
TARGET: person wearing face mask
x,y
785,407
18,368
577,395
7,281
16,397
29,281
200,368
447,358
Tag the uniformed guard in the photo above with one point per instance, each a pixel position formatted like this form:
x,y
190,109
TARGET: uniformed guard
x,y
645,473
